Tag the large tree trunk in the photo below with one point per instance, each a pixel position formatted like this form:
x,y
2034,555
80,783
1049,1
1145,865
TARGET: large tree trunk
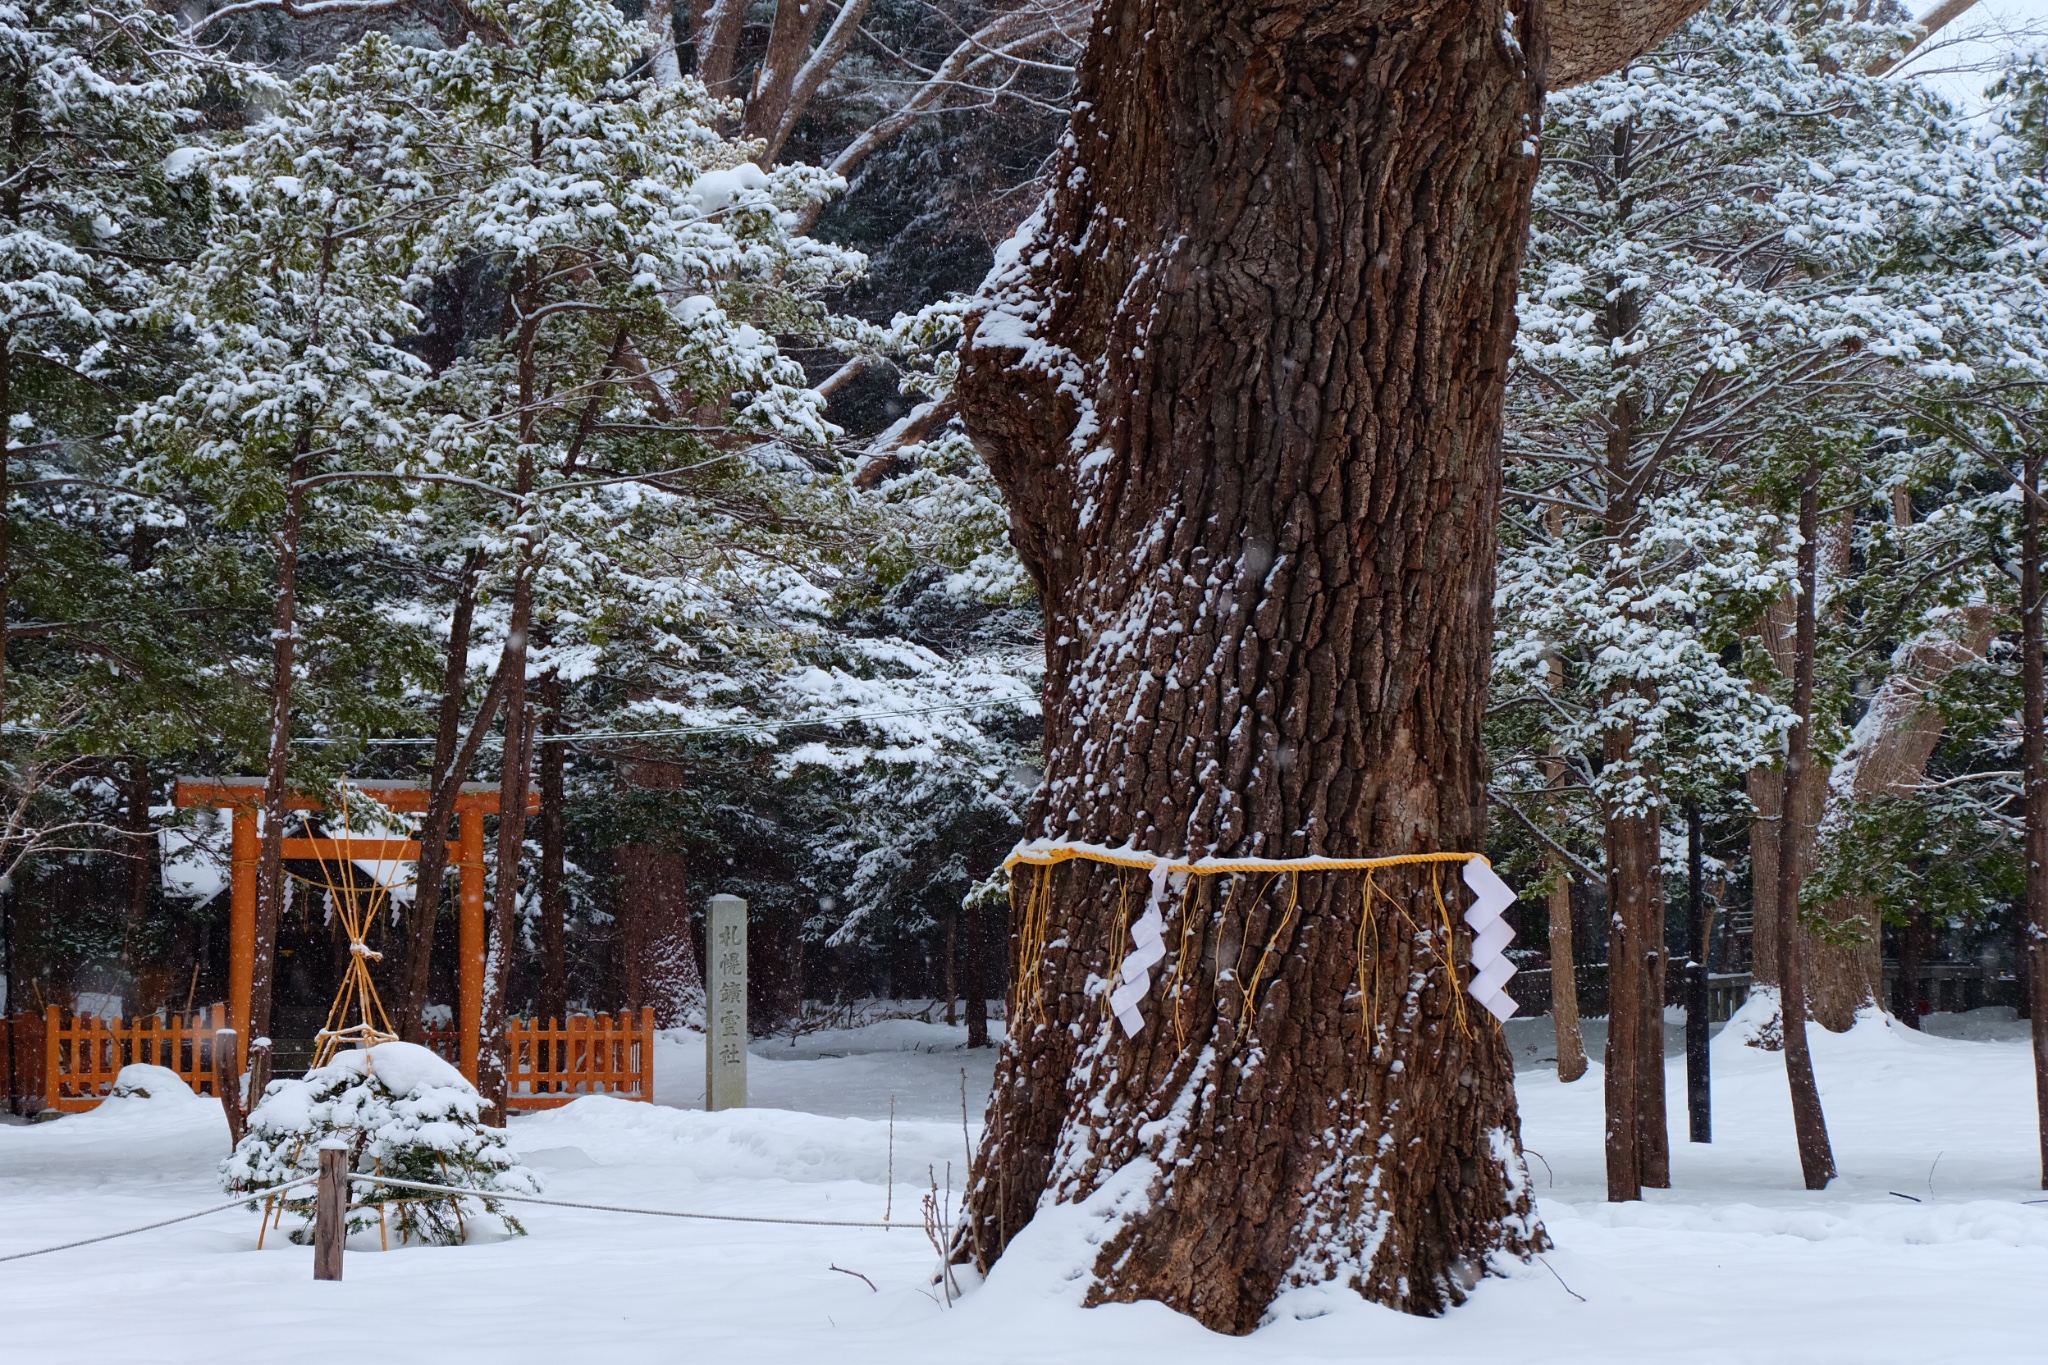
x,y
1241,381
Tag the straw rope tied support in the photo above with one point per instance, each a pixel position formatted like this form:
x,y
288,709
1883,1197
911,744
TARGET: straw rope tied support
x,y
1132,978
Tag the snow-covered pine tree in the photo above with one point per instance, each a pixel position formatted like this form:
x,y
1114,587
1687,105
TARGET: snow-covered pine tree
x,y
401,1112
96,96
1686,332
298,419
642,268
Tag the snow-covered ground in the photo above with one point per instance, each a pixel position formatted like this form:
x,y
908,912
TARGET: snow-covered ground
x,y
1736,1263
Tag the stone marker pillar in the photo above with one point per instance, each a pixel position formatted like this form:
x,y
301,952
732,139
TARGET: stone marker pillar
x,y
725,1005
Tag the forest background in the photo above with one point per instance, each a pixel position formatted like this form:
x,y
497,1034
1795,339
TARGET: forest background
x,y
546,391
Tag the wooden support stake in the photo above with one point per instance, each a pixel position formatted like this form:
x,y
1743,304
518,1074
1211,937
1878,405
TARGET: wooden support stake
x,y
330,1213
227,1082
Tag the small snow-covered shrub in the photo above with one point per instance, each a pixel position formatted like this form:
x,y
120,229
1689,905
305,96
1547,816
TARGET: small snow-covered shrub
x,y
142,1081
402,1112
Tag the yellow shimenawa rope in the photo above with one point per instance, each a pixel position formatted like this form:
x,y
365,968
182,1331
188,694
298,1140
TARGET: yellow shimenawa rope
x,y
1035,922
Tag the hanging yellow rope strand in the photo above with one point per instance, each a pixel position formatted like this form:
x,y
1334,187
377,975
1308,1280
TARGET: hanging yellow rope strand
x,y
357,909
1044,858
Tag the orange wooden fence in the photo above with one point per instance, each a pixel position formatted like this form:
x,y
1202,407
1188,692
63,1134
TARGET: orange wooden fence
x,y
551,1064
82,1054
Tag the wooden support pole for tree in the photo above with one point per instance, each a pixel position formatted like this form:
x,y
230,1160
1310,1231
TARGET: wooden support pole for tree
x,y
330,1212
1698,1091
470,948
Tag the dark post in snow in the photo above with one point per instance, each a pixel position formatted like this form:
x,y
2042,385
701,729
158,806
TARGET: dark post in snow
x,y
1698,1087
330,1212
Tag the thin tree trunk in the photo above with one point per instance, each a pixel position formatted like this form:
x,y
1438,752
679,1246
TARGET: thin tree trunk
x,y
6,500
444,783
1912,987
1698,933
276,781
1564,979
150,985
1242,385
2033,716
1816,1156
1632,871
554,950
513,782
1564,984
981,938
517,764
951,966
1653,1128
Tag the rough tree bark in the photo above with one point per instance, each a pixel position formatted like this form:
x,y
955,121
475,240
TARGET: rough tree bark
x,y
1832,967
1241,380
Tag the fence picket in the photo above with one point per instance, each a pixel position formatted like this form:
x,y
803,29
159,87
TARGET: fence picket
x,y
550,1063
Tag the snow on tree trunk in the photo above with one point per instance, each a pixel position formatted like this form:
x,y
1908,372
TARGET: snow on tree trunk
x,y
1241,380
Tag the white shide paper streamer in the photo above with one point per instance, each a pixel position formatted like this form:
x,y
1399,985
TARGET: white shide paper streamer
x,y
1490,967
1148,950
1491,934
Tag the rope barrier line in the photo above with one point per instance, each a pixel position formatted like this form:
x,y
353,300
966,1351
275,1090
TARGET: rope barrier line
x,y
241,1203
361,1179
1490,967
356,1178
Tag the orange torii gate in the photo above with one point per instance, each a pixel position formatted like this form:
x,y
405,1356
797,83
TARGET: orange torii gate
x,y
244,797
